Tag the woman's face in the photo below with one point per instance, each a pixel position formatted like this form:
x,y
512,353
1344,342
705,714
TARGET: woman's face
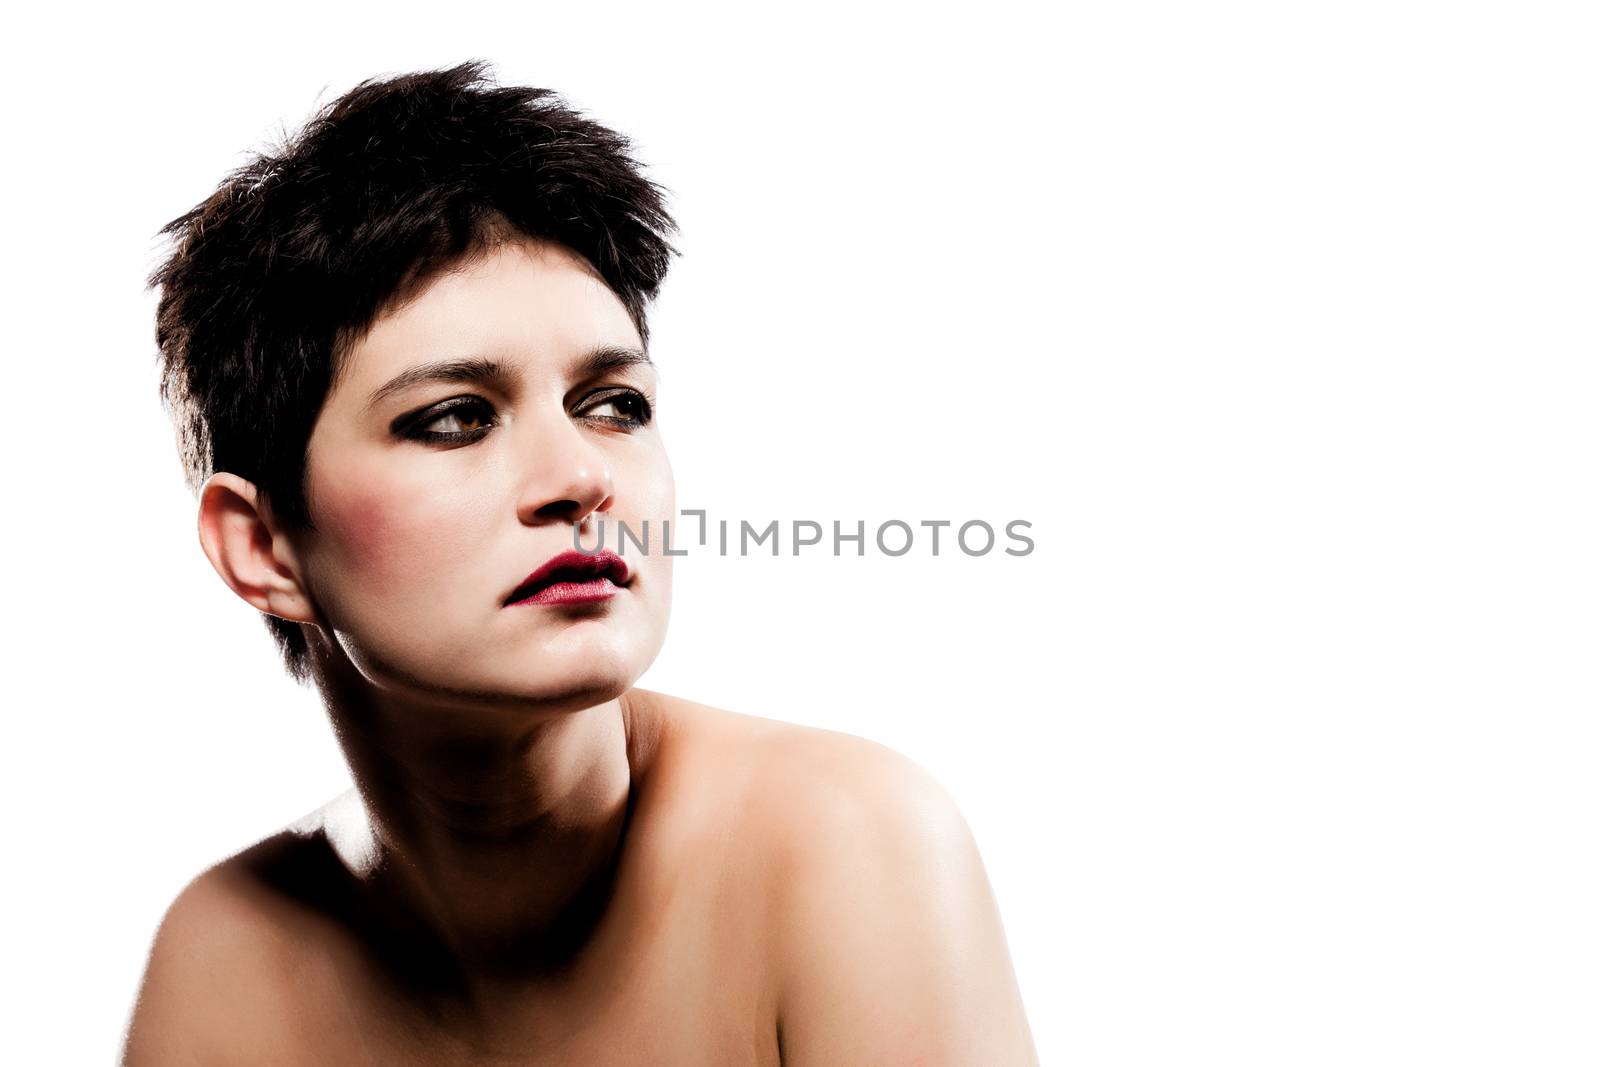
x,y
419,540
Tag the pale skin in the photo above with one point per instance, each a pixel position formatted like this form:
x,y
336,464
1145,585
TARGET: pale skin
x,y
542,863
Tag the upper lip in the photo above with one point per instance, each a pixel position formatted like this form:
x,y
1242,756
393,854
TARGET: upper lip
x,y
575,566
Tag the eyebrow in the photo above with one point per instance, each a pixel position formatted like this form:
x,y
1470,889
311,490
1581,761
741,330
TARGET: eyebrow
x,y
493,372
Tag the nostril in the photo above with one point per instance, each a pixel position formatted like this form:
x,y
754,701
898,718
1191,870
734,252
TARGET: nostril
x,y
566,510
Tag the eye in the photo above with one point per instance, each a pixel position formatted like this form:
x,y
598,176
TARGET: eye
x,y
618,407
473,414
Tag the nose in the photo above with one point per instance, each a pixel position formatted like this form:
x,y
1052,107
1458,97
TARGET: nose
x,y
569,479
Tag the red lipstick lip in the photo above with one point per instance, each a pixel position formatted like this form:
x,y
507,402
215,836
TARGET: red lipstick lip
x,y
572,577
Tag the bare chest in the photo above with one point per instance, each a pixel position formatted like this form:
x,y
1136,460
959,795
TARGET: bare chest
x,y
678,974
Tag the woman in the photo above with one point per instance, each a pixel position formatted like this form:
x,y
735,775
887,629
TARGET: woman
x,y
407,357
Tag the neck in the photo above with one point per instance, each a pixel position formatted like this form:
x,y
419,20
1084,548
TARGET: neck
x,y
491,842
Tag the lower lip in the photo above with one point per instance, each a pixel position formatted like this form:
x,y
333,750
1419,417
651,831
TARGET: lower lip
x,y
589,592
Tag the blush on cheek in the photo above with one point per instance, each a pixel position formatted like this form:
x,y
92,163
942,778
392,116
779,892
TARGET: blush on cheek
x,y
382,537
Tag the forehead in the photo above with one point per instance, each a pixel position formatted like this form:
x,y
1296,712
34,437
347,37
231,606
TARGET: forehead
x,y
533,303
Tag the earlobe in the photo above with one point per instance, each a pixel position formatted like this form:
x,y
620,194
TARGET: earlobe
x,y
239,537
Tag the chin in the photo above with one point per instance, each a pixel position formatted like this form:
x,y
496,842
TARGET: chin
x,y
565,695
576,671
581,663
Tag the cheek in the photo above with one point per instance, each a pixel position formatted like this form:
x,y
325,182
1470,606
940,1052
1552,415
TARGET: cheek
x,y
655,502
394,542
655,494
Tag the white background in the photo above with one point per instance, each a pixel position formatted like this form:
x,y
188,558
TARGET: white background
x,y
1277,321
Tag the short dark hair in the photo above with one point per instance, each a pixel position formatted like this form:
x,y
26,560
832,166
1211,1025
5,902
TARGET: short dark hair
x,y
292,259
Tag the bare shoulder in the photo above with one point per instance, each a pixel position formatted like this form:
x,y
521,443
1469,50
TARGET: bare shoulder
x,y
784,744
228,965
816,790
889,940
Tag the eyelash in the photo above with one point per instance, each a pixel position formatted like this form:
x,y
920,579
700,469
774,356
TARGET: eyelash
x,y
463,404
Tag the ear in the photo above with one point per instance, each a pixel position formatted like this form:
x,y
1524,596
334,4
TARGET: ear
x,y
241,538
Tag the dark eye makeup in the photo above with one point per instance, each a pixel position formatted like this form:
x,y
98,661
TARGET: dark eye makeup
x,y
631,407
615,407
